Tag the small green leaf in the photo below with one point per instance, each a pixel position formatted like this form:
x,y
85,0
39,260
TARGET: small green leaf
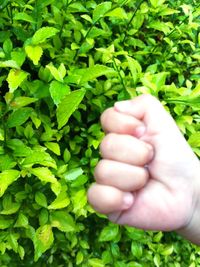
x,y
43,240
7,178
43,34
117,13
34,53
15,79
19,117
60,202
157,3
9,64
194,140
24,17
136,250
22,221
63,221
56,73
39,157
73,174
19,148
160,26
109,233
54,147
44,174
94,72
22,101
5,223
67,106
101,10
58,91
9,207
40,199
95,262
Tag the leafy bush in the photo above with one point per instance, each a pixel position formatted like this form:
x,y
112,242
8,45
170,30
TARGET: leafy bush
x,y
62,63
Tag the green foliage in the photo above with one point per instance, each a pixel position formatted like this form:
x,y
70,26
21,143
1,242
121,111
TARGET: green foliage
x,y
61,64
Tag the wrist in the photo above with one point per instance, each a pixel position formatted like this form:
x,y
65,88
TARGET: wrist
x,y
191,230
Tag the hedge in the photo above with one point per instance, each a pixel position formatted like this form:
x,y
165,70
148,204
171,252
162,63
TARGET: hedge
x,y
61,64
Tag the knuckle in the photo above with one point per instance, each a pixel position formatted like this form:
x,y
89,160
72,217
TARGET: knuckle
x,y
100,171
107,143
105,117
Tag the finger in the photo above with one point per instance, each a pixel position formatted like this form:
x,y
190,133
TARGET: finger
x,y
107,199
117,122
127,149
148,109
120,175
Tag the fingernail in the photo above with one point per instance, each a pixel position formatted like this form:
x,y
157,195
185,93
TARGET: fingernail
x,y
127,200
140,131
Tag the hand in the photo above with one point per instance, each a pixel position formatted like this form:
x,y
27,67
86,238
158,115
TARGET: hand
x,y
149,176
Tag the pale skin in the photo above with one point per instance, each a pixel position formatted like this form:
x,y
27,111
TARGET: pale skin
x,y
148,176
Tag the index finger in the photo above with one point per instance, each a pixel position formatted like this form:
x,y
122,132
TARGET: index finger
x,y
113,121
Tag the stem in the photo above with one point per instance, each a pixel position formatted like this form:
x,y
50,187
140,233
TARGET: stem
x,y
94,23
118,71
155,47
130,21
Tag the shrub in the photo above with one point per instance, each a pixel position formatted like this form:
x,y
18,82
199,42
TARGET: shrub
x,y
62,63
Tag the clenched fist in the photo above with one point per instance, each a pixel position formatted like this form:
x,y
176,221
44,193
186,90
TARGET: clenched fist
x,y
149,176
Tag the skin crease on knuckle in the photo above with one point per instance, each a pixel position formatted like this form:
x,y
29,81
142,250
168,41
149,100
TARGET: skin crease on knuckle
x,y
125,148
123,176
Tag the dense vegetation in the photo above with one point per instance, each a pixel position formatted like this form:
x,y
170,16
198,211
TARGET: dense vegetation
x,y
61,64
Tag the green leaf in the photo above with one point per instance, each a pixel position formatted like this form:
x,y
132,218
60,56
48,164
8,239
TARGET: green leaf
x,y
73,174
9,207
109,233
117,13
157,3
43,240
7,178
60,202
56,73
95,262
136,250
54,147
79,200
18,56
22,101
44,174
94,72
13,241
58,91
34,53
194,139
40,199
9,64
101,10
15,79
19,148
43,34
160,26
19,117
5,223
24,17
63,221
22,221
39,157
67,106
